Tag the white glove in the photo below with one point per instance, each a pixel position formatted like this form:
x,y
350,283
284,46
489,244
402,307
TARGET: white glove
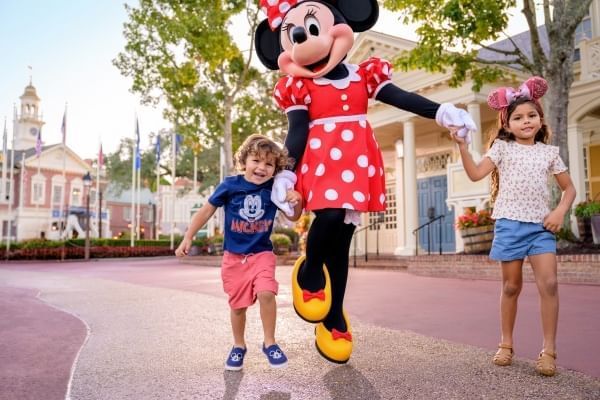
x,y
284,182
448,115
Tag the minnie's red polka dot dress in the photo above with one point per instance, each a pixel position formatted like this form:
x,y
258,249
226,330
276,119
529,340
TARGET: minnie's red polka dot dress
x,y
342,166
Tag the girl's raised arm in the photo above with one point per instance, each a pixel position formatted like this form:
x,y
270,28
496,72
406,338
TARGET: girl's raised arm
x,y
475,171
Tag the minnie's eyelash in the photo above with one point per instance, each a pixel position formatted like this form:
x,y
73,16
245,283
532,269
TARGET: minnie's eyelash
x,y
311,11
285,27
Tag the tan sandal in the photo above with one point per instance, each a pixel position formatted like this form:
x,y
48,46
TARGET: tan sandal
x,y
546,363
504,355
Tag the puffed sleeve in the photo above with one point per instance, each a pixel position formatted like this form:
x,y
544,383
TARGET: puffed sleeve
x,y
496,152
378,73
291,94
557,166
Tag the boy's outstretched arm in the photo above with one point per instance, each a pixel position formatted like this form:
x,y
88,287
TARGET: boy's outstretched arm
x,y
475,171
198,221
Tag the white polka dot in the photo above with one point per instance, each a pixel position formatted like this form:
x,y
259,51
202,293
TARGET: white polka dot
x,y
382,198
385,69
272,2
348,205
315,143
331,194
320,170
362,161
293,98
362,123
329,127
344,97
371,171
278,93
347,135
299,84
276,22
358,196
307,99
284,6
346,107
310,194
347,176
289,82
304,168
335,154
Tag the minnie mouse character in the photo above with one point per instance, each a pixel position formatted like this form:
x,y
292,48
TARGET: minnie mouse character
x,y
338,164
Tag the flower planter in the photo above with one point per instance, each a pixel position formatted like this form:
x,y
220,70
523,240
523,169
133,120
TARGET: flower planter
x,y
478,239
584,227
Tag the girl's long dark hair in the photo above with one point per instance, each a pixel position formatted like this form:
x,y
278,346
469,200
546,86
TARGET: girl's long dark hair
x,y
543,135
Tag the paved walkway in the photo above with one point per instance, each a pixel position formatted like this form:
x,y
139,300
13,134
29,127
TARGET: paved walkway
x,y
154,329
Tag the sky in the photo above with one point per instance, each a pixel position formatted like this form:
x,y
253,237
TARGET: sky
x,y
69,46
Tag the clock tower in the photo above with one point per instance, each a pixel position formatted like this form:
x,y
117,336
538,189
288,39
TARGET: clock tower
x,y
29,122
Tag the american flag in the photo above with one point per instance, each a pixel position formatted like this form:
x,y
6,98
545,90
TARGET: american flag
x,y
100,157
63,127
38,143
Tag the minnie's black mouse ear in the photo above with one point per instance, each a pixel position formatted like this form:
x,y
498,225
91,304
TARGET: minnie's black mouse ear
x,y
267,45
361,15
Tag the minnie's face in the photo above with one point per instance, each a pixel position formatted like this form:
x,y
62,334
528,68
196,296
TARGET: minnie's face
x,y
313,44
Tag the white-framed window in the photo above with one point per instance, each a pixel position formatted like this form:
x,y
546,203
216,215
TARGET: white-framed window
x,y
76,192
57,191
127,213
38,189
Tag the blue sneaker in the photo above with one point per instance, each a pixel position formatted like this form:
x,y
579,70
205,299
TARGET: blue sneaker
x,y
235,361
275,355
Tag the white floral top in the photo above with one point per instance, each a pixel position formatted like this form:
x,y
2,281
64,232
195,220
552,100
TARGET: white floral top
x,y
523,193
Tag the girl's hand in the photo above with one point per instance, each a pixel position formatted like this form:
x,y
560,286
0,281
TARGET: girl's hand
x,y
184,247
553,221
454,135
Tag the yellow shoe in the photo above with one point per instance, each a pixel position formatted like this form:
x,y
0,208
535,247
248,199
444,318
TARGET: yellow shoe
x,y
333,345
310,306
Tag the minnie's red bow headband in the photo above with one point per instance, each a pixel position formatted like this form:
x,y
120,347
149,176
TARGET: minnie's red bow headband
x,y
276,10
532,89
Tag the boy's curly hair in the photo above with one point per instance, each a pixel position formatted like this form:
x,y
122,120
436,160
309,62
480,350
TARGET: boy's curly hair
x,y
262,147
543,135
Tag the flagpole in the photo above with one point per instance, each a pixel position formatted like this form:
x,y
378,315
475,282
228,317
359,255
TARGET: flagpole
x,y
100,159
173,157
138,205
4,166
133,157
38,150
61,213
11,183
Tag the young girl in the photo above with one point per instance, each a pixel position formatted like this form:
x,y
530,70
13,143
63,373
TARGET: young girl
x,y
520,161
248,266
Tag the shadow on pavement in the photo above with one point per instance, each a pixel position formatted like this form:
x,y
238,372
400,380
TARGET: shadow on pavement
x,y
232,384
345,382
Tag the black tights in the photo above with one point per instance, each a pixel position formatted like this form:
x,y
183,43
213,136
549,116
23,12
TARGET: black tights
x,y
328,243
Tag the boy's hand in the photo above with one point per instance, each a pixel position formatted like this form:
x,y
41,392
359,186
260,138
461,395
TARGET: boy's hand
x,y
293,197
553,221
184,247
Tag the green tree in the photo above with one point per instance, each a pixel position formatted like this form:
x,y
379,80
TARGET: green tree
x,y
468,25
183,53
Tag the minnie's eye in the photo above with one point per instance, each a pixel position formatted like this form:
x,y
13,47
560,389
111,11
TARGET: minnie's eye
x,y
290,30
312,25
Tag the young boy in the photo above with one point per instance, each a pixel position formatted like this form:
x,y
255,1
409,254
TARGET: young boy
x,y
248,266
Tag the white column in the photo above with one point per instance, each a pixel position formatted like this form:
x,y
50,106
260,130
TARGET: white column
x,y
576,168
411,211
476,137
399,180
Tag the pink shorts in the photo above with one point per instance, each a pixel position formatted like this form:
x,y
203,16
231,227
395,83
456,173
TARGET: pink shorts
x,y
244,276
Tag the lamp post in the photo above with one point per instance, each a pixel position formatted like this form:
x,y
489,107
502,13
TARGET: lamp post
x,y
87,182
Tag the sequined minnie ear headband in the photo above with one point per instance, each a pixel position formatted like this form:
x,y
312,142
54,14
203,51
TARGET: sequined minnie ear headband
x,y
532,89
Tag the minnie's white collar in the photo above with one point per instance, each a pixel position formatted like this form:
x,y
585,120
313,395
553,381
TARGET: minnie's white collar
x,y
343,83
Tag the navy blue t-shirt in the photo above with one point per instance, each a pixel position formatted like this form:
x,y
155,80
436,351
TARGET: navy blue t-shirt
x,y
249,214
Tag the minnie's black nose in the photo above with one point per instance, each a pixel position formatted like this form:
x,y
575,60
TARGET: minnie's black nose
x,y
299,35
